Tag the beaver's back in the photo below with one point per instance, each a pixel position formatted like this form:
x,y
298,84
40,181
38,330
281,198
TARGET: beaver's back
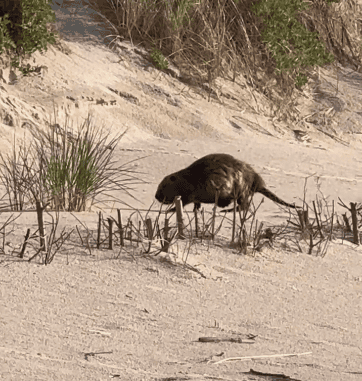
x,y
224,169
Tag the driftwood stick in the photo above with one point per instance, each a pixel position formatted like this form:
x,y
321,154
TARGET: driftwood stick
x,y
165,244
21,255
196,223
346,222
130,223
110,232
99,230
234,223
261,357
179,217
120,227
149,230
354,223
317,219
39,211
214,214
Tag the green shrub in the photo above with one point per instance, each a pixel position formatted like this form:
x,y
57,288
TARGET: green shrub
x,y
35,14
293,47
159,59
6,43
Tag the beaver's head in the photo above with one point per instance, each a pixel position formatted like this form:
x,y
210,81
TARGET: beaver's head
x,y
168,189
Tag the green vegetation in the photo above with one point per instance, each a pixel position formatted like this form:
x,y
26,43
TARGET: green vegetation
x,y
275,43
23,29
264,40
293,47
68,169
159,59
6,43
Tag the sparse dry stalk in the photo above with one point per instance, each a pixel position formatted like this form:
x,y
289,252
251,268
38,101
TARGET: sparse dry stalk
x,y
179,217
21,254
354,223
39,211
99,230
166,243
110,233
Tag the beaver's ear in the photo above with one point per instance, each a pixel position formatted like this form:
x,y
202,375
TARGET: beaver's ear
x,y
173,178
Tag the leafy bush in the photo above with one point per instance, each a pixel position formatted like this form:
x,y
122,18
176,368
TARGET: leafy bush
x,y
6,43
159,59
293,47
34,16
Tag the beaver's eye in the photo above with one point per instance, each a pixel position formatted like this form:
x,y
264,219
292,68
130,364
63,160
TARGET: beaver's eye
x,y
173,178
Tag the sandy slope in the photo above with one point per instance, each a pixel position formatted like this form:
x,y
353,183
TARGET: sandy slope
x,y
144,316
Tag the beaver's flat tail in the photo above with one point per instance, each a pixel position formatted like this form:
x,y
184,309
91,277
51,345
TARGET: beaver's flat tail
x,y
266,192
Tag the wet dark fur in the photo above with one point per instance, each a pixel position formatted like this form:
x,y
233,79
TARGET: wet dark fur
x,y
200,182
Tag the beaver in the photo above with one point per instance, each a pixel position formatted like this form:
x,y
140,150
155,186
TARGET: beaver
x,y
215,174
